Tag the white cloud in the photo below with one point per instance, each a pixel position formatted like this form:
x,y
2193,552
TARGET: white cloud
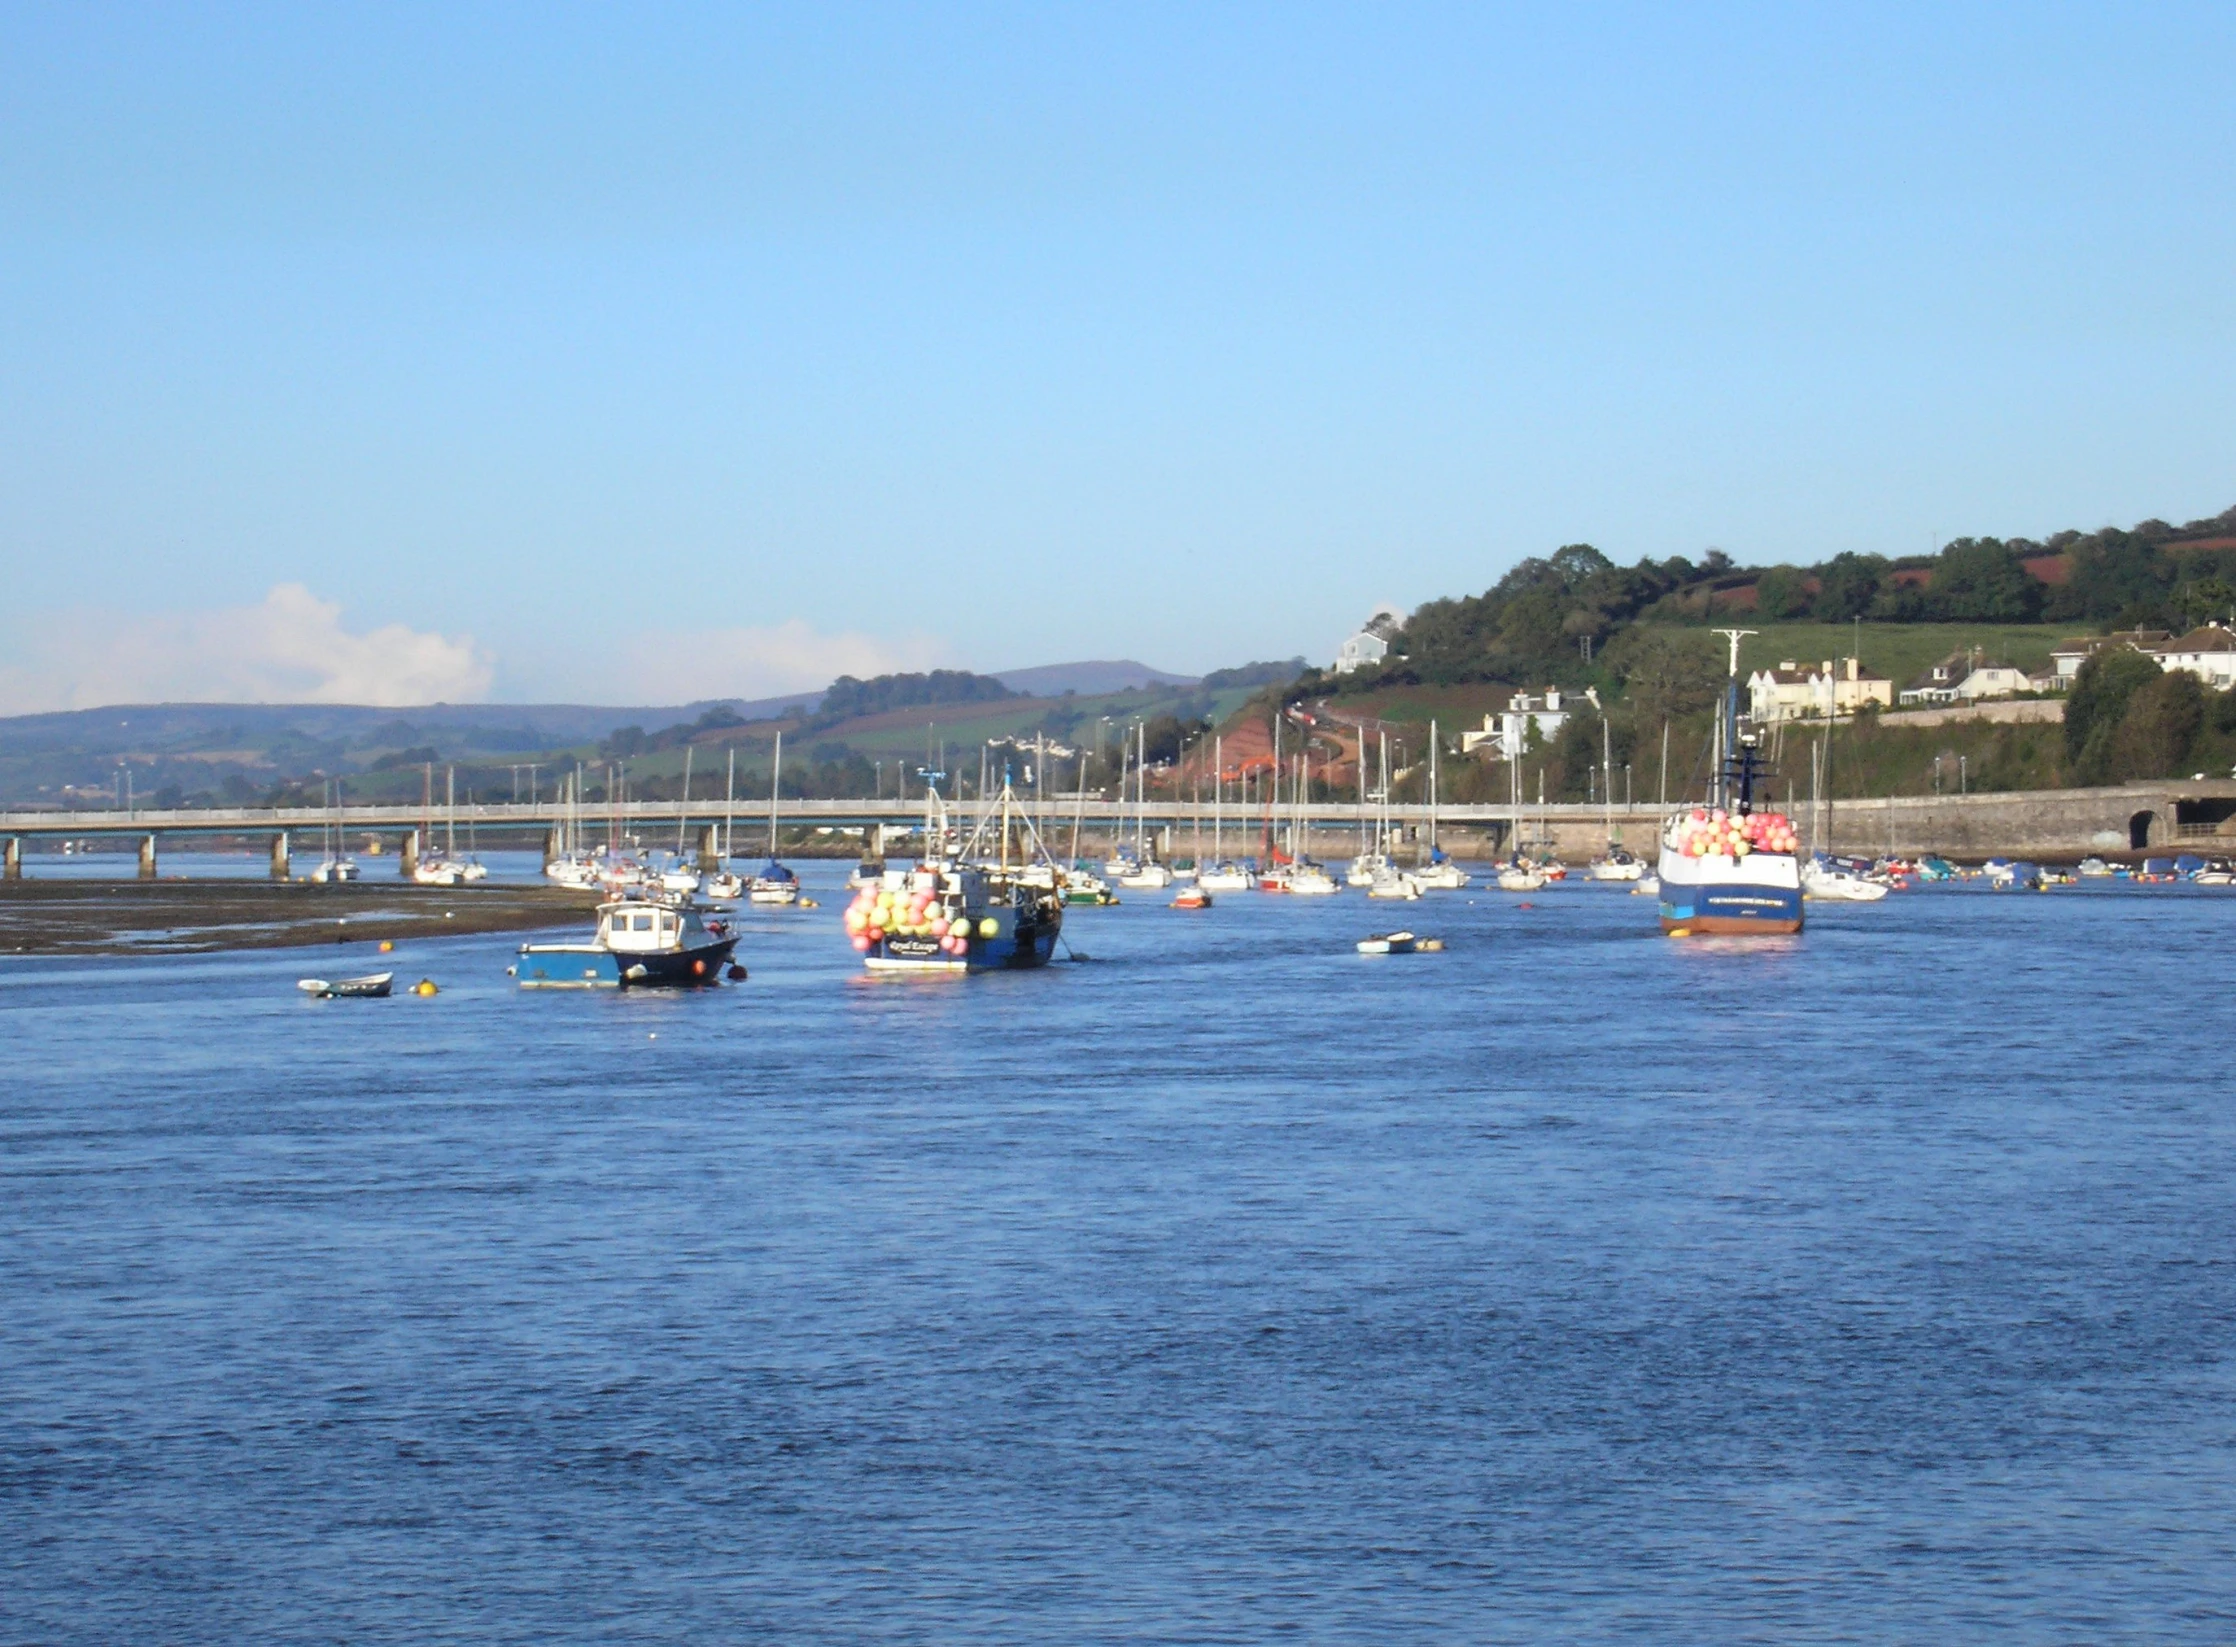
x,y
679,666
290,648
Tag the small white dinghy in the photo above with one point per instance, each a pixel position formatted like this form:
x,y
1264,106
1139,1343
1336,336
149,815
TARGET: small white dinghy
x,y
1399,943
372,986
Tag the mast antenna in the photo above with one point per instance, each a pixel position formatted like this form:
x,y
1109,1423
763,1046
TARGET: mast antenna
x,y
1735,636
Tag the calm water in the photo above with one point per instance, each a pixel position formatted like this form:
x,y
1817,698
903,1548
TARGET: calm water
x,y
1573,1285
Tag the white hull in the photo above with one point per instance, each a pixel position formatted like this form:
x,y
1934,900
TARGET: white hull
x,y
1839,888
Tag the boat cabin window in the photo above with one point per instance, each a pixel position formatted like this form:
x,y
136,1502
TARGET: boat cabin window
x,y
642,923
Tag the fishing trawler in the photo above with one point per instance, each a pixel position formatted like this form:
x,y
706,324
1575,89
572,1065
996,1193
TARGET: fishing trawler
x,y
977,909
1726,868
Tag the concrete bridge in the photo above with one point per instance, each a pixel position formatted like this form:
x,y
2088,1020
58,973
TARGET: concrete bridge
x,y
2066,823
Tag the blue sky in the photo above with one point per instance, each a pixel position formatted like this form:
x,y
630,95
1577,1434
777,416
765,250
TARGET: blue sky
x,y
859,336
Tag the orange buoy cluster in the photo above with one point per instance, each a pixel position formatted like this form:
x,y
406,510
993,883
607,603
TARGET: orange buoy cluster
x,y
1721,834
879,912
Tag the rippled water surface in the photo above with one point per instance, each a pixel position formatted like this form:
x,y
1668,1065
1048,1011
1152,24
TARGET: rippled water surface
x,y
1572,1285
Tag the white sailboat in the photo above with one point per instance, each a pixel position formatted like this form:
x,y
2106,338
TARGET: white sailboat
x,y
726,882
573,867
336,865
1142,870
1223,874
775,884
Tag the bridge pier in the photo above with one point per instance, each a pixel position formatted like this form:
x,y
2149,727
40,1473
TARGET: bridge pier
x,y
14,870
710,851
280,861
147,857
407,854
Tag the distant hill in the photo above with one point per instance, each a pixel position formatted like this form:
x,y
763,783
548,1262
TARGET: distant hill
x,y
134,728
1053,680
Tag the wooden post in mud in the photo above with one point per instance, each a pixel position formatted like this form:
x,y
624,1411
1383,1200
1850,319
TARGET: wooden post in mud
x,y
710,849
281,862
14,871
147,857
407,854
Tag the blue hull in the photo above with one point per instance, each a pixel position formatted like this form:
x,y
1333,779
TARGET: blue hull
x,y
1728,909
593,966
1003,954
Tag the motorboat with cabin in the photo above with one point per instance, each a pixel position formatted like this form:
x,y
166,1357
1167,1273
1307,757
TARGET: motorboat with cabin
x,y
639,942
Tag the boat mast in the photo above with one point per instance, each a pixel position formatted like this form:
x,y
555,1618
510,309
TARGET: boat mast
x,y
729,803
1727,729
1079,803
776,774
1218,798
1273,801
682,814
1607,770
450,811
1433,752
1382,810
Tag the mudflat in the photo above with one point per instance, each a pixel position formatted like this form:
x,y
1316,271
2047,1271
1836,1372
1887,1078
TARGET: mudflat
x,y
194,917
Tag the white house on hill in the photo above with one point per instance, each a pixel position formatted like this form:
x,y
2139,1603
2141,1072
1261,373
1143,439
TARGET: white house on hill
x,y
1966,677
1371,645
2208,653
1508,731
1790,692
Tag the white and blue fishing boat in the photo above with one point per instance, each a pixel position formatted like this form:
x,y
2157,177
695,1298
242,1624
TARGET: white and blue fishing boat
x,y
1741,887
978,909
639,942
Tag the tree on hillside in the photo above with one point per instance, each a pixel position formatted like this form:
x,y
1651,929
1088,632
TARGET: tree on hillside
x,y
2098,704
1667,674
2163,719
2116,577
2207,600
1847,584
1538,624
1981,580
847,696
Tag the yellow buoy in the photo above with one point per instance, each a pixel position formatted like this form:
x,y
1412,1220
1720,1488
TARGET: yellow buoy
x,y
386,945
425,986
988,927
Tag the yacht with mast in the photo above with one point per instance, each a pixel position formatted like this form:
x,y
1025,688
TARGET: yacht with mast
x,y
1223,874
335,862
774,884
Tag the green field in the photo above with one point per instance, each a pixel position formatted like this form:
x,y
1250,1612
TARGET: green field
x,y
1902,651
